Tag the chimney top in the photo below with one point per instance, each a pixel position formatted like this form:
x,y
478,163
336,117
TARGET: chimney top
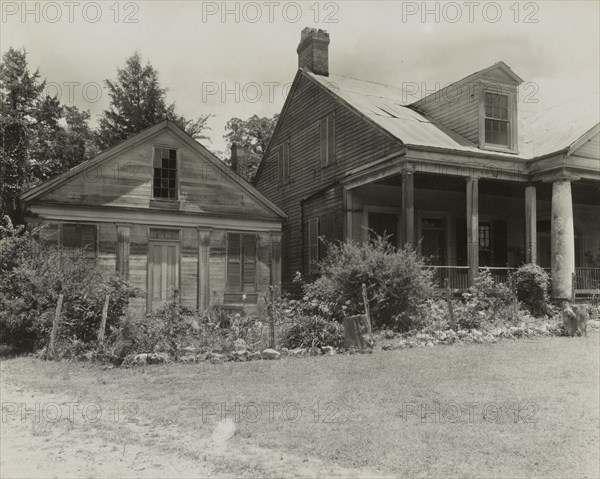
x,y
313,51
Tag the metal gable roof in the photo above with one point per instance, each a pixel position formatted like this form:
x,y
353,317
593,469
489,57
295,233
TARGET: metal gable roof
x,y
552,130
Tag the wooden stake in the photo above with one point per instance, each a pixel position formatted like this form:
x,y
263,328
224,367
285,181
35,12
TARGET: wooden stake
x,y
367,310
271,318
103,322
50,352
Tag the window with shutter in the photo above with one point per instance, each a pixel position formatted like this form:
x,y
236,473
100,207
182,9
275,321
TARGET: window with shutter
x,y
284,163
241,263
313,245
80,237
327,140
326,233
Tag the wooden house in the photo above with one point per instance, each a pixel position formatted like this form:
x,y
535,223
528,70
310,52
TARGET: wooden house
x,y
165,213
461,174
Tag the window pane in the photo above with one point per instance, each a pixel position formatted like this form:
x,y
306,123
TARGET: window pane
x,y
496,106
496,132
173,154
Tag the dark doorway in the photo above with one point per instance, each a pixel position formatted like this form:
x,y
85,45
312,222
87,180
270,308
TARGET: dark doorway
x,y
384,224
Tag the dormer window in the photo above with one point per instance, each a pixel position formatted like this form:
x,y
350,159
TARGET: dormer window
x,y
165,173
498,122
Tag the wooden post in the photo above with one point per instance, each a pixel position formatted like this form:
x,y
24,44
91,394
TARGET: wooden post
x,y
573,286
408,207
367,309
204,236
530,224
50,352
271,318
450,308
473,228
103,321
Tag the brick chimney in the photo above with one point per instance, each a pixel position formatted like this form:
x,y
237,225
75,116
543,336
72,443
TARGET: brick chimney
x,y
313,51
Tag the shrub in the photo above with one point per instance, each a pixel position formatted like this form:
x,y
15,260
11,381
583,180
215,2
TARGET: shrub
x,y
313,331
397,281
531,283
32,276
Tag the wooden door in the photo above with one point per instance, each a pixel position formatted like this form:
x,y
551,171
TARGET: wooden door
x,y
163,273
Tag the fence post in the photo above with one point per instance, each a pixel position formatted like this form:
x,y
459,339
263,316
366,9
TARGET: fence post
x,y
103,322
367,310
271,318
50,352
450,308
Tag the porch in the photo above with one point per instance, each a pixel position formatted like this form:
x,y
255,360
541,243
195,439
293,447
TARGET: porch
x,y
464,223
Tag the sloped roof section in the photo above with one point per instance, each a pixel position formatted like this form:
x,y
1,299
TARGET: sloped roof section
x,y
550,131
558,127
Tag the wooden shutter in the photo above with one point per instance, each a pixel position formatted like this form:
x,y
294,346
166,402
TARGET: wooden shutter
x,y
234,268
286,162
461,242
88,239
323,141
280,164
249,263
313,245
70,238
326,233
330,139
499,243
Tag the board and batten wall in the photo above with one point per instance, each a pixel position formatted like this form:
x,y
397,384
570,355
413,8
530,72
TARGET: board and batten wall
x,y
190,270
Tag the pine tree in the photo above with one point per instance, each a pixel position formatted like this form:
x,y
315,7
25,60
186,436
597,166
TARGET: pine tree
x,y
137,102
19,94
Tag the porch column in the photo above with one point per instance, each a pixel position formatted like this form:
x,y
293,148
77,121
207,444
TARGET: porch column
x,y
276,263
530,224
122,264
349,209
562,240
203,268
408,207
473,228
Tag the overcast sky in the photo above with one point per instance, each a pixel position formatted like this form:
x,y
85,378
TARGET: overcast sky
x,y
204,50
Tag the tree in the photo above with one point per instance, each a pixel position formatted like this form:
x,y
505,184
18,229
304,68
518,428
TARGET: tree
x,y
19,93
34,143
252,136
137,102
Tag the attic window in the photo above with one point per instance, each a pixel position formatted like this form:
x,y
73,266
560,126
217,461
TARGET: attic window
x,y
497,120
165,173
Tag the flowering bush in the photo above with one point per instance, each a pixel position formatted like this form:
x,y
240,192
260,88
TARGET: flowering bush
x,y
32,276
532,284
397,281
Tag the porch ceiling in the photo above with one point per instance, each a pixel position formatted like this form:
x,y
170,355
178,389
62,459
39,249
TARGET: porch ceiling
x,y
584,193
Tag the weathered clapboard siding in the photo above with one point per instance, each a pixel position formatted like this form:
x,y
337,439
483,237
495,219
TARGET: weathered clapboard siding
x,y
357,142
126,181
188,286
218,266
138,264
107,247
457,106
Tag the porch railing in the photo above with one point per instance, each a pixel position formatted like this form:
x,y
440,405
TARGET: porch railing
x,y
587,280
499,274
454,277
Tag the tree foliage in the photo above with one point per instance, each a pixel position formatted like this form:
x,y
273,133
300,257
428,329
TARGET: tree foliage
x,y
39,137
137,102
251,136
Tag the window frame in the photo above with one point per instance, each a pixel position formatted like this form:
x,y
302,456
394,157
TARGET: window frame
x,y
330,141
76,223
283,163
313,266
512,132
241,234
177,173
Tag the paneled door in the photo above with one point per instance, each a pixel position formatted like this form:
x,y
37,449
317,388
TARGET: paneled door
x,y
163,273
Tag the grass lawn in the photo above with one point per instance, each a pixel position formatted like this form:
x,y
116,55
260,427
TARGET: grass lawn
x,y
511,409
